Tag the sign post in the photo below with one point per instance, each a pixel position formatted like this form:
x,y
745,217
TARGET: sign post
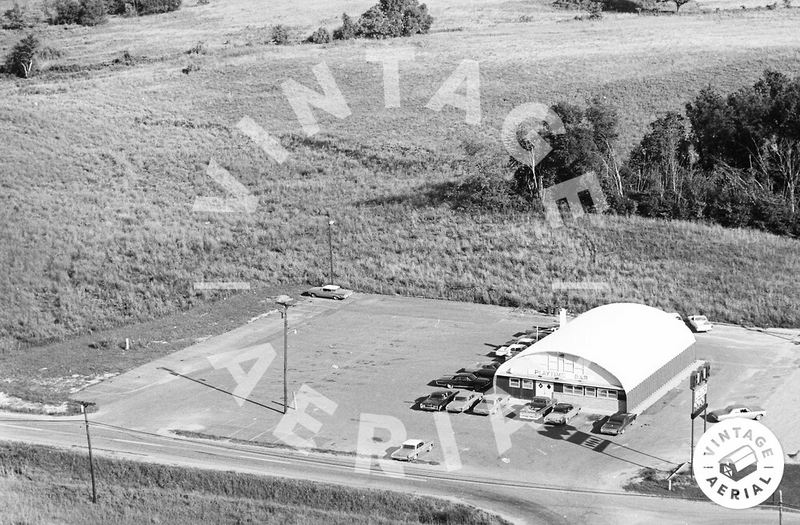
x,y
698,383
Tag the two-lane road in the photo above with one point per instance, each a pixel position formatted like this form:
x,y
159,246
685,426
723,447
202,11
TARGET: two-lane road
x,y
520,502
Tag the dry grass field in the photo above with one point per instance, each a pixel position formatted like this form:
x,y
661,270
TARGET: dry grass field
x,y
101,163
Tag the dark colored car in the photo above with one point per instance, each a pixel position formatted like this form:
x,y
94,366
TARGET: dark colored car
x,y
616,424
464,380
438,400
487,370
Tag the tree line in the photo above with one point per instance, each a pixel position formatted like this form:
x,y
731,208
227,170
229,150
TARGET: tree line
x,y
732,159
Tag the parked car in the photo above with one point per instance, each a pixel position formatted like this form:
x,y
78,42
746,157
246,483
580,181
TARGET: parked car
x,y
485,370
412,449
732,411
502,351
699,323
562,414
539,407
470,381
616,424
438,400
491,404
677,316
330,291
464,401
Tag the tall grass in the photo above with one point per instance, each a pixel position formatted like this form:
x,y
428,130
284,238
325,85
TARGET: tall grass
x,y
42,484
100,168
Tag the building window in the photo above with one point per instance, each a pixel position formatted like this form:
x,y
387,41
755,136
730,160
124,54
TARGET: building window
x,y
608,394
574,390
569,365
552,362
527,384
513,382
579,368
590,391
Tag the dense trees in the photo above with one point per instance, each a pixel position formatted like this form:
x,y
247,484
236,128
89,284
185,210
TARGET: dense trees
x,y
732,159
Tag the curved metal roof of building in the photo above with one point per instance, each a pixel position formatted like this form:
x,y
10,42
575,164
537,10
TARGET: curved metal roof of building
x,y
628,340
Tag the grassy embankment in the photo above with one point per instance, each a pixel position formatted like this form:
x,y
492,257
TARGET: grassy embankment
x,y
43,485
101,165
651,481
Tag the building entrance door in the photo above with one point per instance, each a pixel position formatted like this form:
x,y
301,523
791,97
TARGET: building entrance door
x,y
544,389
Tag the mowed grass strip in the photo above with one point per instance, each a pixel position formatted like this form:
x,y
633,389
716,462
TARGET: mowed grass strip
x,y
101,167
43,485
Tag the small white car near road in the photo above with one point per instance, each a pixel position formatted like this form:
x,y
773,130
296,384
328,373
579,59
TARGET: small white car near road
x,y
732,411
677,316
330,291
411,449
491,404
699,323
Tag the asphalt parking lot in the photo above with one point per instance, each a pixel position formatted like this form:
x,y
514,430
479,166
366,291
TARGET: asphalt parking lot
x,y
362,365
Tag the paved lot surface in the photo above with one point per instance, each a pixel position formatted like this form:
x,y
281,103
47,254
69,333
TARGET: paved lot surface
x,y
367,361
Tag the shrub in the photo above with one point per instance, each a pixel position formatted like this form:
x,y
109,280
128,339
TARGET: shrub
x,y
15,17
391,18
83,12
280,35
373,23
347,30
142,7
22,60
197,49
320,36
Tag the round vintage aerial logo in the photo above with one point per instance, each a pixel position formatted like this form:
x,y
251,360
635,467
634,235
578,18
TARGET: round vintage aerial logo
x,y
738,463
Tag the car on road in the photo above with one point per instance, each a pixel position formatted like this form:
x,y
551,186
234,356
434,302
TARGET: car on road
x,y
329,291
562,414
464,380
699,323
729,412
437,400
464,401
484,370
538,407
412,449
615,424
491,404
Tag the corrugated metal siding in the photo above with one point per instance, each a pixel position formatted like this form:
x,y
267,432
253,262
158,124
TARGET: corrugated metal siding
x,y
659,378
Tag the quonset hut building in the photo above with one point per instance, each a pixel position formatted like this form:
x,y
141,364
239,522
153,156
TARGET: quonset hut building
x,y
612,358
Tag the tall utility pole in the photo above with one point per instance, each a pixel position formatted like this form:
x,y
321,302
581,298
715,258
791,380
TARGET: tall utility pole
x,y
331,222
84,405
285,301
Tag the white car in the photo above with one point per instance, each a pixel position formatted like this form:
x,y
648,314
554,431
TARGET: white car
x,y
699,323
464,401
502,351
491,404
677,316
411,449
732,411
330,291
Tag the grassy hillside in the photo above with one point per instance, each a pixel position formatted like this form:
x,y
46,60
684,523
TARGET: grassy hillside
x,y
45,485
101,163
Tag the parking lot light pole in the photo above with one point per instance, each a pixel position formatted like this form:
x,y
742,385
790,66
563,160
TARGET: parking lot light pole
x,y
84,406
331,222
285,301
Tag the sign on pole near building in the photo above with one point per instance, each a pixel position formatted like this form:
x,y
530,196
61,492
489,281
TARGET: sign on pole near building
x,y
699,399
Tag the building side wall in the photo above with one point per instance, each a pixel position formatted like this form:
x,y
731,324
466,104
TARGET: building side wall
x,y
660,377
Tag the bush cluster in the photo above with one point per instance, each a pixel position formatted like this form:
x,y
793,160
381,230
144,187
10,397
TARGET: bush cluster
x,y
142,7
83,12
15,18
23,59
386,19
